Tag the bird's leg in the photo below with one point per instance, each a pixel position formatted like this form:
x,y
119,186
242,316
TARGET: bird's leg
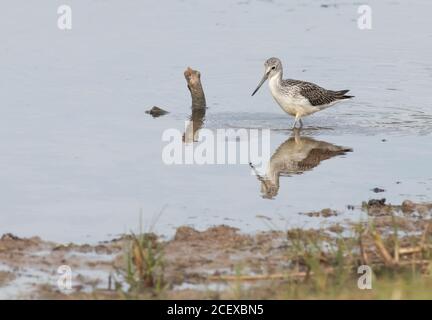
x,y
295,122
301,123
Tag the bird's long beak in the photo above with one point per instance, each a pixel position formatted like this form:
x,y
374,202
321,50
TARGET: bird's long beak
x,y
261,83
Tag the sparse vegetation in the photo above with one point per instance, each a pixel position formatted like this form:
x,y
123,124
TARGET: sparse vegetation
x,y
222,263
324,264
144,267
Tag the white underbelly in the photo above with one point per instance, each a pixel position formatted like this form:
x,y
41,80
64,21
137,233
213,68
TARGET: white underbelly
x,y
294,105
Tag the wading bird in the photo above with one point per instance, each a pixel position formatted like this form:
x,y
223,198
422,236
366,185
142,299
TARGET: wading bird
x,y
298,98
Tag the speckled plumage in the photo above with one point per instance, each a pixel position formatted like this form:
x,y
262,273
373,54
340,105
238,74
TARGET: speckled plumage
x,y
295,97
316,95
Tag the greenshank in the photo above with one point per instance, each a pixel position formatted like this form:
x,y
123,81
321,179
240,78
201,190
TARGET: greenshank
x,y
298,98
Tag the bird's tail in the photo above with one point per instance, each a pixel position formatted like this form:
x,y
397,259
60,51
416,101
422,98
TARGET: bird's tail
x,y
341,95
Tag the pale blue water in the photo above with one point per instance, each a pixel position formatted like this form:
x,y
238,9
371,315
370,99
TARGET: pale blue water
x,y
80,158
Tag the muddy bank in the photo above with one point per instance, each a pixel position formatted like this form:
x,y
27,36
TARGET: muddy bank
x,y
221,262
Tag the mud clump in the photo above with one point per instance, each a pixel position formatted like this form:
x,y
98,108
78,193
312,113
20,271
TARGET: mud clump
x,y
156,112
185,233
9,236
216,233
376,202
408,206
325,213
422,209
336,228
377,207
9,242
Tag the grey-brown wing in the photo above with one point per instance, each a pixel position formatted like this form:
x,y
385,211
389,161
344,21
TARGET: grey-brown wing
x,y
317,95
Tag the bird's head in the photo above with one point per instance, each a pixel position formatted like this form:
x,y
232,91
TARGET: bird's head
x,y
272,67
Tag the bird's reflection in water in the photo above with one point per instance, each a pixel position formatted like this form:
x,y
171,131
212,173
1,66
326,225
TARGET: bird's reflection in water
x,y
195,124
295,156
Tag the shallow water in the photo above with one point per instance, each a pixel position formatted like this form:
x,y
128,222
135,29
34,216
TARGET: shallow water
x,y
81,159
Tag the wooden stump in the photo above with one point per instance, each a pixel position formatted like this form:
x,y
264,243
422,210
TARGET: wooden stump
x,y
193,78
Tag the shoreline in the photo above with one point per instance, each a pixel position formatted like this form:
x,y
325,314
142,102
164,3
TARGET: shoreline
x,y
223,263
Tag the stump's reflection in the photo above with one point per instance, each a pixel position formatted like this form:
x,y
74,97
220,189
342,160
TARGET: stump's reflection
x,y
196,122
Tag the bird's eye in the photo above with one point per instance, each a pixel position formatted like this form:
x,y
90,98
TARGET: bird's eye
x,y
274,67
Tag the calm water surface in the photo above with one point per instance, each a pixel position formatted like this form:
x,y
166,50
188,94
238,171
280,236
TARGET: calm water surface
x,y
80,158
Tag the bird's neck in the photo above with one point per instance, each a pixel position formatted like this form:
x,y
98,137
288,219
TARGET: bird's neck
x,y
276,79
275,82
